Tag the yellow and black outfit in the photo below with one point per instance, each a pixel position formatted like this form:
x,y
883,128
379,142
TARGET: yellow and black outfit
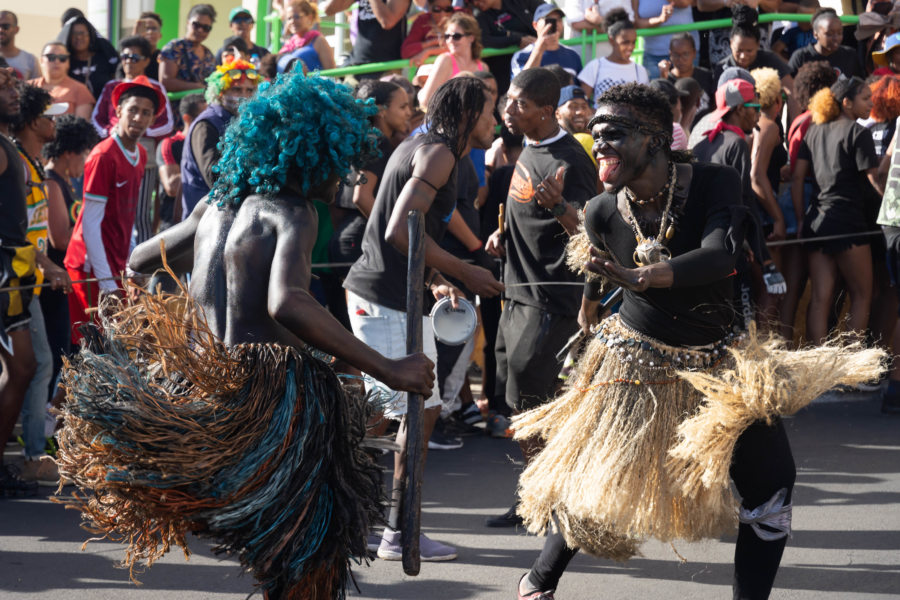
x,y
17,254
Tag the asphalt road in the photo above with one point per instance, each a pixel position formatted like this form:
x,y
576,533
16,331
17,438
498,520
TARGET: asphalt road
x,y
846,542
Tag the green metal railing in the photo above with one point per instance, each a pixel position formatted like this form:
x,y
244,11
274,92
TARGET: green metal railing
x,y
588,43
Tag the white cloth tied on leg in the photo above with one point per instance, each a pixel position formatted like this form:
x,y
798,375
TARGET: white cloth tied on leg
x,y
774,514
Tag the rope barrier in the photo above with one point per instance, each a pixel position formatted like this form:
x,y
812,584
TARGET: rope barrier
x,y
338,265
18,288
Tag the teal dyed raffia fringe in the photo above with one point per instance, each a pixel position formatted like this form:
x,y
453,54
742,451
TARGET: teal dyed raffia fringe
x,y
256,447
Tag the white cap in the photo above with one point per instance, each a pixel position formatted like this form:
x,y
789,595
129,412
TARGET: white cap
x,y
57,108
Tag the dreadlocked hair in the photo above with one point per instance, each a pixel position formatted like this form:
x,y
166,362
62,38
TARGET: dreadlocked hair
x,y
266,141
812,77
73,134
886,99
33,101
746,22
454,109
652,108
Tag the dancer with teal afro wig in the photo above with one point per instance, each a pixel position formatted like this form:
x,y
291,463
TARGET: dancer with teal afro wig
x,y
307,128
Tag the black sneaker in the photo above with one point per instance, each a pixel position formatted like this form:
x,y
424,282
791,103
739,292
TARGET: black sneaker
x,y
441,441
453,426
508,519
11,485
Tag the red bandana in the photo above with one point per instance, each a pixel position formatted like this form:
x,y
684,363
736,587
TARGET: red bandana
x,y
723,126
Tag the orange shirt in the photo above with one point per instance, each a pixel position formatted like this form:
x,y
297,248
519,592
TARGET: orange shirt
x,y
69,90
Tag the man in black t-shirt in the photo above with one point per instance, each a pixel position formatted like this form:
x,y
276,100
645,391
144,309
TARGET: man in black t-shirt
x,y
553,179
737,108
421,175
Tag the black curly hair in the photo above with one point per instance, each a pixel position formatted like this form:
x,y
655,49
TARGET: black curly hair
x,y
73,134
746,22
33,101
136,41
454,110
812,77
652,109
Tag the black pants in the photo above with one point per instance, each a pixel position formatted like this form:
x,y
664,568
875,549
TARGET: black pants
x,y
762,464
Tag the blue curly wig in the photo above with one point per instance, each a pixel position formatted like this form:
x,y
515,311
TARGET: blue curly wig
x,y
306,127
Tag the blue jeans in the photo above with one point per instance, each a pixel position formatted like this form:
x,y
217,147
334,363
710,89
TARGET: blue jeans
x,y
34,409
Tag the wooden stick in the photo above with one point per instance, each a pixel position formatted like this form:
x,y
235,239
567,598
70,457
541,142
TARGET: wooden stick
x,y
415,411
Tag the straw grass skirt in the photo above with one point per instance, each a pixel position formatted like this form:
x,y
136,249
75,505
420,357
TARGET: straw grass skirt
x,y
640,442
257,447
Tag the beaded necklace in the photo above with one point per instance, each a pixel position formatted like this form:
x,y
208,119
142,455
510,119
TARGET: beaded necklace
x,y
653,250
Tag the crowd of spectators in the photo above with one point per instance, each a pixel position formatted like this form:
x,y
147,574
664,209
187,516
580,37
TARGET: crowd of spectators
x,y
772,101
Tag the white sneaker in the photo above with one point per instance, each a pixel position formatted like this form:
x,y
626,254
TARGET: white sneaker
x,y
429,550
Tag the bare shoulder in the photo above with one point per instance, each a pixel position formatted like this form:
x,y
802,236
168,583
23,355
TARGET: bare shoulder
x,y
281,215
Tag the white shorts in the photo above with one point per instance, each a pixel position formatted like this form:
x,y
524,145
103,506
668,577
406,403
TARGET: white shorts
x,y
384,330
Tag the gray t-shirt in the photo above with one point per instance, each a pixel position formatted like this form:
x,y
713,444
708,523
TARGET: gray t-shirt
x,y
26,64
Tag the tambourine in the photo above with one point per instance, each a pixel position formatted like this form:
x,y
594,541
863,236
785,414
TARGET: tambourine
x,y
453,326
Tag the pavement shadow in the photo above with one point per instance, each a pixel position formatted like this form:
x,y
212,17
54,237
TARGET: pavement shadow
x,y
412,588
856,579
27,572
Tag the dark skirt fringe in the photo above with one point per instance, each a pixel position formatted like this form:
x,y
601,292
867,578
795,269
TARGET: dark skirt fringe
x,y
256,447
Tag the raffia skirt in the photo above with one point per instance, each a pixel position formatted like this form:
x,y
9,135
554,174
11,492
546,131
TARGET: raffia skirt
x,y
168,431
640,442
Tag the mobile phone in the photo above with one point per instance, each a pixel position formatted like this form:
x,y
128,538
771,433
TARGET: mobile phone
x,y
553,25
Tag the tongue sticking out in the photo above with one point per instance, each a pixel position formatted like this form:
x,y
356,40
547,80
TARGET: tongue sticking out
x,y
607,168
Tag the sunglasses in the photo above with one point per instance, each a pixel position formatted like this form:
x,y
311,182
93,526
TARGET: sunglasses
x,y
438,9
753,105
238,73
8,26
57,57
455,36
201,26
243,20
132,57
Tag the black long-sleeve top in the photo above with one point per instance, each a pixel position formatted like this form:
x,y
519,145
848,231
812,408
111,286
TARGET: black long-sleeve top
x,y
697,309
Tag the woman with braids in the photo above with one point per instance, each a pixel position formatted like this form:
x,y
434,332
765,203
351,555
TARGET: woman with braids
x,y
420,175
209,413
745,52
841,155
669,403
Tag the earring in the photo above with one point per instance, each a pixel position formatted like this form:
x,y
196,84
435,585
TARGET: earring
x,y
543,118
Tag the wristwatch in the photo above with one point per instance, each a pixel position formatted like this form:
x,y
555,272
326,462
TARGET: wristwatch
x,y
559,209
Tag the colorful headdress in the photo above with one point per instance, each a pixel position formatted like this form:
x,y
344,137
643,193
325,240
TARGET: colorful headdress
x,y
225,75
